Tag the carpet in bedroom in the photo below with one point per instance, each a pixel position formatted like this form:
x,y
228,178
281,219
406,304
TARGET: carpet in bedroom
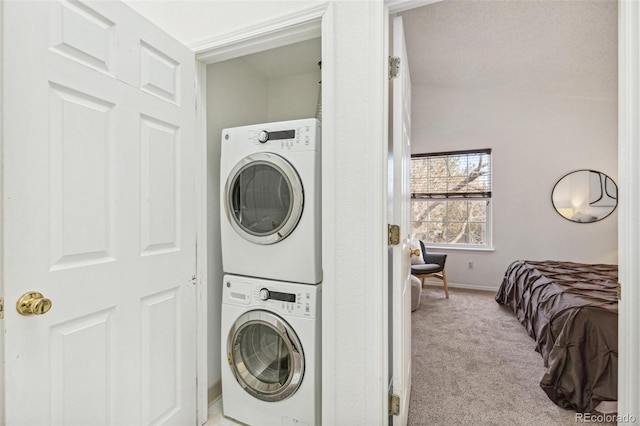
x,y
474,364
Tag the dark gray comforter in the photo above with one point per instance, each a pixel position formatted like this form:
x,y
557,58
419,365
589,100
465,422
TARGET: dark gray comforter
x,y
571,311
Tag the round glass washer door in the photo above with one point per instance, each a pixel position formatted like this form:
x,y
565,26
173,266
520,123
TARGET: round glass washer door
x,y
263,198
265,355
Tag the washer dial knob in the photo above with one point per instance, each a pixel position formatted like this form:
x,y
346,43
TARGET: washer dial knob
x,y
263,136
264,294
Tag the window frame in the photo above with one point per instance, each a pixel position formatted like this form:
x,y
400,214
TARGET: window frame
x,y
487,196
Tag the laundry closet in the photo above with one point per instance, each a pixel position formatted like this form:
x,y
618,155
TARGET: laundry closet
x,y
275,85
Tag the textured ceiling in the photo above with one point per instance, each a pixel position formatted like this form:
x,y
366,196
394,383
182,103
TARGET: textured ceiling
x,y
566,48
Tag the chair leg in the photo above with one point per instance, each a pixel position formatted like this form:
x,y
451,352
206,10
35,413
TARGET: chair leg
x,y
444,282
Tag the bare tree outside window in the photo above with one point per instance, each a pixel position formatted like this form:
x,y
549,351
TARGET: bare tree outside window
x,y
450,197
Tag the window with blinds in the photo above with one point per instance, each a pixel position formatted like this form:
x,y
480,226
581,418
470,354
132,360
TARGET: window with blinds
x,y
451,198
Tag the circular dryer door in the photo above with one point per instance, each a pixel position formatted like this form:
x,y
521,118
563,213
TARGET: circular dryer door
x,y
264,198
265,356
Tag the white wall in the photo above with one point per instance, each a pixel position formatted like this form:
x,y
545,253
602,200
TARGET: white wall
x,y
535,141
354,215
2,384
293,97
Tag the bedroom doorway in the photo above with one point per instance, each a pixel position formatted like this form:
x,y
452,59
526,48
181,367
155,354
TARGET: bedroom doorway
x,y
621,248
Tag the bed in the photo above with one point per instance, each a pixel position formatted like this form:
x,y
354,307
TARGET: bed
x,y
571,311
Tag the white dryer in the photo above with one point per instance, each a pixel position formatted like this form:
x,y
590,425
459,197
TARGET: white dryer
x,y
270,201
271,340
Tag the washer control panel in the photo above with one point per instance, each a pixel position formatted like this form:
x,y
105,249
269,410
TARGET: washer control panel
x,y
301,300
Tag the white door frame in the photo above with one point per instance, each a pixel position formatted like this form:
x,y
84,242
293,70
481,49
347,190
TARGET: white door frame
x,y
629,207
202,387
2,413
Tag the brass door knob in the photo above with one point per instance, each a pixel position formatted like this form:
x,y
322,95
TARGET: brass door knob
x,y
33,303
414,252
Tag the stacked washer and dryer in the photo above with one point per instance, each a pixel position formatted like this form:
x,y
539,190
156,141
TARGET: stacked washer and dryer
x,y
271,256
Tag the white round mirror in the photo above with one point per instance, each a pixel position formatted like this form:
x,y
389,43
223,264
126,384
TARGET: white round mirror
x,y
585,196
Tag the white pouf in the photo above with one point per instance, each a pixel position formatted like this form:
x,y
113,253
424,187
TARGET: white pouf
x,y
416,292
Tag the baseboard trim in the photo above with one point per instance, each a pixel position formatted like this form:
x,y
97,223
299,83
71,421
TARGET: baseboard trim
x,y
438,283
214,392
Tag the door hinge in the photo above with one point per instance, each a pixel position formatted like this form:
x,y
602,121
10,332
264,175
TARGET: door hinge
x,y
394,404
1,308
394,67
394,235
619,291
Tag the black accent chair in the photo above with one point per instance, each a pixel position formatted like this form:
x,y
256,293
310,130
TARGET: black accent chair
x,y
433,266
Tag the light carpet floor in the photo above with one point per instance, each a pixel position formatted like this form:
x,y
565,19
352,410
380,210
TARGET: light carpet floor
x,y
475,364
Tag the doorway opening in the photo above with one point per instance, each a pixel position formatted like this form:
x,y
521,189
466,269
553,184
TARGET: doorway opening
x,y
277,84
514,86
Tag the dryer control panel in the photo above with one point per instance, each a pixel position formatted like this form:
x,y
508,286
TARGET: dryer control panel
x,y
300,137
293,135
300,300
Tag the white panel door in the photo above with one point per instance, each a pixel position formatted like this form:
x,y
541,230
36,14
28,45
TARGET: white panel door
x,y
401,132
99,217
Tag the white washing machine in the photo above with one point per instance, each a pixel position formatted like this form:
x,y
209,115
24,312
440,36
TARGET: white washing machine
x,y
270,199
271,340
